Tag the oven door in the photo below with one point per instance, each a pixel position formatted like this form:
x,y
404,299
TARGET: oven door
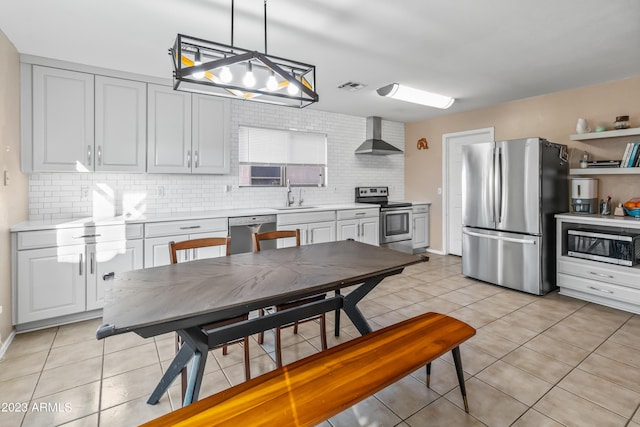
x,y
395,225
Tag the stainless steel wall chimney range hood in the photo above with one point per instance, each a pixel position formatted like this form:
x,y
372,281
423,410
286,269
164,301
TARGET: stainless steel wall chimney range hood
x,y
374,143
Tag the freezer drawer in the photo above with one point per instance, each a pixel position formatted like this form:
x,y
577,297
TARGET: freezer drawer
x,y
505,259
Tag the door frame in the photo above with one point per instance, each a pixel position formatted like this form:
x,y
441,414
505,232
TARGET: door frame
x,y
446,137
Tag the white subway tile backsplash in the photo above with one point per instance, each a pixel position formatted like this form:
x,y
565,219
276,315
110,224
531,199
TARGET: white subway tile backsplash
x,y
61,195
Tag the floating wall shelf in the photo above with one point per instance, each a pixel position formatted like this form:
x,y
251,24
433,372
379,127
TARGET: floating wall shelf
x,y
605,171
606,134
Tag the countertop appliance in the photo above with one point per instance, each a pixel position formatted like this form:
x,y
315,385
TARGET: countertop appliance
x,y
511,191
614,248
241,229
396,229
584,195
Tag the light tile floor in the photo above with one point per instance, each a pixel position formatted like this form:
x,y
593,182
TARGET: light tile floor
x,y
535,361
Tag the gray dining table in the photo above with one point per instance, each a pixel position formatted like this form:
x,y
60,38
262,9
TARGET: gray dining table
x,y
183,297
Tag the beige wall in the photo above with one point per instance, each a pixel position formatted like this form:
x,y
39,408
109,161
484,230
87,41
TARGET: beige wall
x,y
13,198
552,116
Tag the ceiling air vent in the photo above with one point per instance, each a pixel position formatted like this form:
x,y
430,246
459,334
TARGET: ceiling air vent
x,y
352,86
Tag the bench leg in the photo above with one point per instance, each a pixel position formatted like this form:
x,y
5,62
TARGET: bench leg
x,y
456,359
337,319
428,374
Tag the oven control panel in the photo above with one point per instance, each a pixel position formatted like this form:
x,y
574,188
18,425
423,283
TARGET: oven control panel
x,y
372,191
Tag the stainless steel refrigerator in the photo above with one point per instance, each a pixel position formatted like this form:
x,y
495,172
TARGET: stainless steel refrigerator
x,y
511,191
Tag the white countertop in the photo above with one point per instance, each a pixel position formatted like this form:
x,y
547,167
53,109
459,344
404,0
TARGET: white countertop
x,y
621,221
34,225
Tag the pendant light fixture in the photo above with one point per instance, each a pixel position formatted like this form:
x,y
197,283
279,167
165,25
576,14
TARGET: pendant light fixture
x,y
233,72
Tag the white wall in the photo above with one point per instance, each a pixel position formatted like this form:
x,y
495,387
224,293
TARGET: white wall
x,y
61,195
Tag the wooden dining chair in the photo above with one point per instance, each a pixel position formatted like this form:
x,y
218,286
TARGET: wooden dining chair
x,y
174,247
284,234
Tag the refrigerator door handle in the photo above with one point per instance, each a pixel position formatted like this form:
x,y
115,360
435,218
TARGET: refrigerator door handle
x,y
498,186
504,239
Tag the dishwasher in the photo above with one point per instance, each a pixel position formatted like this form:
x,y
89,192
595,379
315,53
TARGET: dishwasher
x,y
241,229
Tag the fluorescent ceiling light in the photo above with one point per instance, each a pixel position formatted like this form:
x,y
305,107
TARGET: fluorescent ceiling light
x,y
409,94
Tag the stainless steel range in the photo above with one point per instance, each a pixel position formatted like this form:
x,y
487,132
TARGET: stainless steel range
x,y
396,230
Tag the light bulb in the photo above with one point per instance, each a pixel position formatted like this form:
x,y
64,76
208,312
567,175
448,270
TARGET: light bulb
x,y
292,89
225,74
272,83
249,80
198,61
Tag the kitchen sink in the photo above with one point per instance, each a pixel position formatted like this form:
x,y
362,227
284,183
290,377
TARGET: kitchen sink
x,y
290,208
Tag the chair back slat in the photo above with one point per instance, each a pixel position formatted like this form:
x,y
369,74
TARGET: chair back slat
x,y
272,235
174,247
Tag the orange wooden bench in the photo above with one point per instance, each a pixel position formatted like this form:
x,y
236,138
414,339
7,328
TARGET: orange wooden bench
x,y
320,386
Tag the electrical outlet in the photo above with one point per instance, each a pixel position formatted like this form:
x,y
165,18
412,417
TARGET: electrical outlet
x,y
84,193
160,191
439,191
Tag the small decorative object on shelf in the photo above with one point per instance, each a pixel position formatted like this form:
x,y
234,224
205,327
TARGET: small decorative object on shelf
x,y
632,207
601,128
582,126
622,122
619,211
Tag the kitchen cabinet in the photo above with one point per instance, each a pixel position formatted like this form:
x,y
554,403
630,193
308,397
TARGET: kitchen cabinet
x,y
159,234
187,133
362,225
120,125
599,282
57,119
315,227
73,121
63,272
420,239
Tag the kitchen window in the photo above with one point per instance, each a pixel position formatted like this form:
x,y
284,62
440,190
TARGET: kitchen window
x,y
270,157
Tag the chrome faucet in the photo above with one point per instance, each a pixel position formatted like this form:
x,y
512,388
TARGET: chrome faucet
x,y
300,199
290,199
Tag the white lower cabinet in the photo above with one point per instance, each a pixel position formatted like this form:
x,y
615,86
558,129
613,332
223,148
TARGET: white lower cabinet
x,y
599,282
107,260
315,227
159,234
54,281
362,225
420,226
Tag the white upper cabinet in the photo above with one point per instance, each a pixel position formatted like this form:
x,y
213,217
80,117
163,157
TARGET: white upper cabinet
x,y
62,105
169,127
211,147
120,124
187,133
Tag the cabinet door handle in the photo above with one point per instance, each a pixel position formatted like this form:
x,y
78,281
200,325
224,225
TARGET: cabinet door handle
x,y
190,227
601,275
606,291
84,236
360,213
195,158
99,153
80,265
91,261
188,158
109,276
88,155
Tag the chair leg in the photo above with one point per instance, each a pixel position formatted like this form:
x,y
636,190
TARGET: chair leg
x,y
458,362
247,364
225,351
428,374
323,331
278,348
261,334
295,328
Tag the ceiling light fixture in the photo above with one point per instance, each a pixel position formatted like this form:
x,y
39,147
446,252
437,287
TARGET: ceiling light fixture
x,y
417,96
268,79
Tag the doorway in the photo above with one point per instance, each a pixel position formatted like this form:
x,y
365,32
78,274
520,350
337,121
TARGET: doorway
x,y
452,184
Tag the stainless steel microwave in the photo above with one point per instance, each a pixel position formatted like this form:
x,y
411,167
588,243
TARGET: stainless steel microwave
x,y
614,248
